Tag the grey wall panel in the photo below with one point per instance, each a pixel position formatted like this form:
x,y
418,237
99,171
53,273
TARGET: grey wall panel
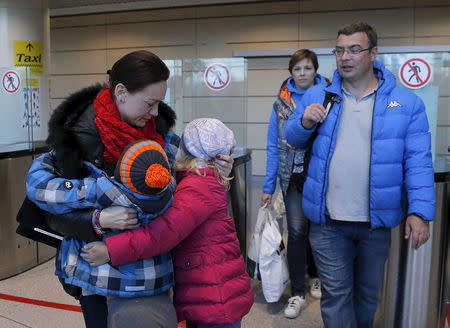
x,y
150,15
439,17
259,109
442,140
259,162
220,50
151,34
226,109
78,20
441,80
332,5
248,29
444,111
256,135
265,82
279,7
64,85
394,22
168,52
239,133
78,38
82,62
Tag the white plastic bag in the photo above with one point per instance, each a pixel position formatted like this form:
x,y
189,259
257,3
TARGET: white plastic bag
x,y
278,205
272,260
255,245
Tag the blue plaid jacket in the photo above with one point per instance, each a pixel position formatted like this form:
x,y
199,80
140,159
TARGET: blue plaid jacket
x,y
58,195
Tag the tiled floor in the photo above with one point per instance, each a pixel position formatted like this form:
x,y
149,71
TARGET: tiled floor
x,y
41,284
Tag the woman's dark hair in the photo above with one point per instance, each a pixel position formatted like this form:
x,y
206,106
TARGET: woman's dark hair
x,y
302,54
137,70
361,27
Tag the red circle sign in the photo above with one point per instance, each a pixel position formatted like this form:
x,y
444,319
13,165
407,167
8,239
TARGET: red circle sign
x,y
11,82
415,73
217,77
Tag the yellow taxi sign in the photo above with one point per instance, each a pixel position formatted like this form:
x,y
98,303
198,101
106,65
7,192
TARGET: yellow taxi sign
x,y
28,53
36,70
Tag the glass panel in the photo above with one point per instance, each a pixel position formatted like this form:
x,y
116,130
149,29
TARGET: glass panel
x,y
24,109
24,65
434,94
174,92
217,88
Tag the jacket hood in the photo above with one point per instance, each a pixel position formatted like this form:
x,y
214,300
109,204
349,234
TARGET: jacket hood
x,y
69,153
318,80
386,80
288,87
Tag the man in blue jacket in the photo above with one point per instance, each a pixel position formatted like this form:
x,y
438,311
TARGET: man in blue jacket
x,y
370,168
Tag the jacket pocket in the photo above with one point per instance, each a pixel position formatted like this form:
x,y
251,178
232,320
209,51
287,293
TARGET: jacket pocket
x,y
188,262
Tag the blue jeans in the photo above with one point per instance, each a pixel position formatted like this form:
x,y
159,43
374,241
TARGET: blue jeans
x,y
350,259
297,247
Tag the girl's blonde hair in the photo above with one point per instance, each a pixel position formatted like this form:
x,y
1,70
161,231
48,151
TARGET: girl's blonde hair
x,y
194,163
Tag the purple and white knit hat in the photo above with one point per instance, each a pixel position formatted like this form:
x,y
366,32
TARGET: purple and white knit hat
x,y
207,137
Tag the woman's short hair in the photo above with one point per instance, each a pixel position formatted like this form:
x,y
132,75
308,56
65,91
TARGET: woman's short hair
x,y
302,54
137,70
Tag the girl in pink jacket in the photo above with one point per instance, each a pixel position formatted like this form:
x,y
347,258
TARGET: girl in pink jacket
x,y
212,287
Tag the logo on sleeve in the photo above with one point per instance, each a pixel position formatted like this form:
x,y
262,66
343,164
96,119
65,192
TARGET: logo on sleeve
x,y
394,103
68,185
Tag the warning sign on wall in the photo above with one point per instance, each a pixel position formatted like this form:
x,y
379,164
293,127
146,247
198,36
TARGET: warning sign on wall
x,y
10,82
28,53
415,73
217,76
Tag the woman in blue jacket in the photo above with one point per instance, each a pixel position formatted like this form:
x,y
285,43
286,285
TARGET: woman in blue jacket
x,y
286,162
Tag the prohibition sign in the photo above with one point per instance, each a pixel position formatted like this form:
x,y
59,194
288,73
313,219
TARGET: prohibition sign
x,y
11,82
415,73
217,77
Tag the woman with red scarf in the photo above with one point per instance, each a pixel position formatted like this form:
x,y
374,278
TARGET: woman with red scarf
x,y
96,124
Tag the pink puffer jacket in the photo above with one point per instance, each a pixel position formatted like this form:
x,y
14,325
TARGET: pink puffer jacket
x,y
212,285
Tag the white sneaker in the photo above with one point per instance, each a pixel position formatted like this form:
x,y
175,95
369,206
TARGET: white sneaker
x,y
295,305
316,290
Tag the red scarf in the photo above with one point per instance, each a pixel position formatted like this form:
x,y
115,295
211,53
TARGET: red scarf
x,y
115,133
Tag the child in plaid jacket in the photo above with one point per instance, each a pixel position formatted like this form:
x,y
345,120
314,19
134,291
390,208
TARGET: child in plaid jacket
x,y
144,183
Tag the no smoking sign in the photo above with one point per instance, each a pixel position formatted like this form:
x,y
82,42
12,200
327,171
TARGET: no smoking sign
x,y
415,73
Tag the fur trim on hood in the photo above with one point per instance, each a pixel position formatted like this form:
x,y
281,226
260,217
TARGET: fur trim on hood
x,y
69,153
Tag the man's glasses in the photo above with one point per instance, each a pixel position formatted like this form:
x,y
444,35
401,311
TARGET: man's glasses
x,y
355,50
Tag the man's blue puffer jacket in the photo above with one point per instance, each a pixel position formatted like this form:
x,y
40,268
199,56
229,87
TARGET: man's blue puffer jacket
x,y
401,171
